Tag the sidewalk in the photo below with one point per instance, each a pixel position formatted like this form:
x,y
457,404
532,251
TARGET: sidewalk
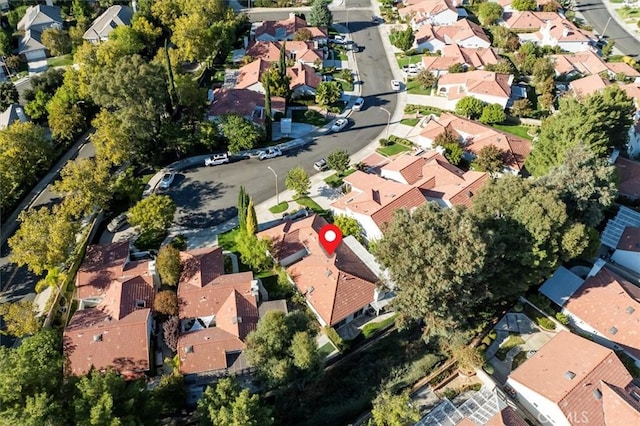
x,y
633,30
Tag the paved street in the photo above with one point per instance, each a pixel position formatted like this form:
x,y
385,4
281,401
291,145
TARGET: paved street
x,y
597,15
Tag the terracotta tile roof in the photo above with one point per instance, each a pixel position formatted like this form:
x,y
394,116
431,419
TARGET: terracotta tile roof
x,y
477,82
528,20
626,69
424,9
633,91
563,31
207,350
630,239
629,177
242,102
411,199
250,74
375,161
573,372
454,54
303,75
588,85
611,305
101,264
425,33
281,30
506,417
335,286
92,339
270,50
451,34
586,62
478,136
619,408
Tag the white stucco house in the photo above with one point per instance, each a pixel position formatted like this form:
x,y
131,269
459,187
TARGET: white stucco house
x,y
434,12
562,33
113,17
488,86
464,33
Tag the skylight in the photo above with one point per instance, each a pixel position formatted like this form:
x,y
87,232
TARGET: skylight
x,y
613,330
570,375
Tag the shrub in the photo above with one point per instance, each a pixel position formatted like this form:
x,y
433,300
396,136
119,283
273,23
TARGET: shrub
x,y
486,341
335,338
546,323
385,142
518,307
179,242
493,335
488,368
562,318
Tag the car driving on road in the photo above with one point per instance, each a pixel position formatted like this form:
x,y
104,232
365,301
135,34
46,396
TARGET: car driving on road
x,y
216,159
167,179
340,124
269,153
395,85
357,106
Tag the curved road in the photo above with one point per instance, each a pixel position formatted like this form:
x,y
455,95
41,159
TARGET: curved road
x,y
208,195
596,13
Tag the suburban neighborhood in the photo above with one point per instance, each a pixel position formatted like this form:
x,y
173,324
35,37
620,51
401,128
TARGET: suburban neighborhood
x,y
320,212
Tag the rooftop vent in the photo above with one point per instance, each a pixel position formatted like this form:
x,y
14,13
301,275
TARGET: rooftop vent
x,y
327,273
310,290
188,350
630,310
613,330
97,338
597,393
570,375
141,304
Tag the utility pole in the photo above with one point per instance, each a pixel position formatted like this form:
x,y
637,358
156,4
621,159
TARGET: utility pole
x,y
388,119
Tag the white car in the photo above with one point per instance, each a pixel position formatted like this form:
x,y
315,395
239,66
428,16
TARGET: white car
x,y
216,159
269,153
167,179
339,39
357,106
320,165
340,124
117,223
395,85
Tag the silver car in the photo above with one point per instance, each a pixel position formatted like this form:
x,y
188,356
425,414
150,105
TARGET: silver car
x,y
167,180
357,106
340,124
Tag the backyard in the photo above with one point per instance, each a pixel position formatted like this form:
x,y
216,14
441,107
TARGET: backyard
x,y
515,129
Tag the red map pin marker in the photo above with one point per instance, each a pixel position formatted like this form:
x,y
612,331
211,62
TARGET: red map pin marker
x,y
330,238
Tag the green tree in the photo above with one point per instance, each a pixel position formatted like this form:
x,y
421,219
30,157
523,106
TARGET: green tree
x,y
283,349
349,226
402,39
426,79
110,139
303,34
240,132
19,318
65,116
493,113
453,152
230,405
447,137
243,203
166,302
327,93
470,107
37,108
278,85
8,95
339,160
455,68
170,394
147,32
523,5
41,254
489,13
587,184
490,159
57,41
169,265
254,251
14,16
80,10
252,220
154,213
297,180
504,38
443,285
85,185
5,43
268,125
320,15
521,108
394,409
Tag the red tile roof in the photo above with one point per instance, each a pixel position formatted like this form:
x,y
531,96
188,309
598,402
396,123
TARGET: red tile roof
x,y
611,305
335,286
270,50
477,82
571,372
586,62
630,239
629,177
563,31
451,34
424,9
303,75
207,350
101,264
528,20
453,54
284,29
588,85
242,102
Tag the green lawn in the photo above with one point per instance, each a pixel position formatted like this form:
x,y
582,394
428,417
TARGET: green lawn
x,y
404,60
308,202
335,180
518,130
279,208
410,121
369,329
511,342
422,109
59,61
309,116
345,85
228,240
628,13
414,88
326,349
393,149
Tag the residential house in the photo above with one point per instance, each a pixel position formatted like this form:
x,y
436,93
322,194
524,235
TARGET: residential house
x,y
249,75
304,80
605,306
13,113
304,52
589,85
217,312
629,175
528,21
285,30
113,324
586,63
562,33
36,20
113,17
506,4
572,381
434,12
464,33
474,136
627,252
244,102
633,144
407,182
453,54
615,227
337,288
490,87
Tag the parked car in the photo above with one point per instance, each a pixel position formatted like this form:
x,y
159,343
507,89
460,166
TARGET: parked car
x,y
395,85
216,159
117,223
167,179
339,39
377,20
340,124
269,153
320,165
357,106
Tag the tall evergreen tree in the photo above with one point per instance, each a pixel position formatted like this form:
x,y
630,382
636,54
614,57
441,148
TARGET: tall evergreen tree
x,y
172,85
268,124
243,203
252,219
282,61
320,15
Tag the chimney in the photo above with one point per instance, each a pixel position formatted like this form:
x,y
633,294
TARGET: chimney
x,y
255,288
134,6
292,15
20,113
154,275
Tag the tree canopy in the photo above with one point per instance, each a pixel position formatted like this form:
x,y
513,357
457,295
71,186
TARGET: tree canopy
x,y
402,39
327,93
320,15
169,265
297,180
470,107
227,404
8,95
154,213
394,409
240,132
85,185
19,318
339,160
489,13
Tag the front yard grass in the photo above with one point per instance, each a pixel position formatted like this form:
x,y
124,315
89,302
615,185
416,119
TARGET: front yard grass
x,y
629,13
309,116
404,60
59,61
393,149
326,349
422,109
410,121
279,208
370,329
414,88
514,129
335,180
308,202
345,85
511,342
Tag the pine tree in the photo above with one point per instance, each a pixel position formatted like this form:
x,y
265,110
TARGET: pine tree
x,y
282,62
252,220
268,125
242,208
172,86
